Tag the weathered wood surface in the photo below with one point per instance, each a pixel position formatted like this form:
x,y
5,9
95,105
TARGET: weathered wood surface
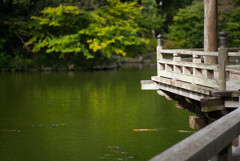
x,y
210,29
234,54
233,85
225,93
189,78
188,52
188,64
183,85
207,142
222,61
147,85
197,52
210,104
196,122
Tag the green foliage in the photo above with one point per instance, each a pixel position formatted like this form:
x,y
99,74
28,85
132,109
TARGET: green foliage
x,y
229,21
171,7
150,19
188,27
21,63
68,29
4,61
187,30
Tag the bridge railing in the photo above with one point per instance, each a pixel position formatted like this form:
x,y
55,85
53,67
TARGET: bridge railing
x,y
189,65
212,142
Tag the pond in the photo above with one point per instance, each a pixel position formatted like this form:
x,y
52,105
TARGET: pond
x,y
85,116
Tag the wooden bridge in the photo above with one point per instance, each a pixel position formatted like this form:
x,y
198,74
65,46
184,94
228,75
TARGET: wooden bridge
x,y
207,83
209,90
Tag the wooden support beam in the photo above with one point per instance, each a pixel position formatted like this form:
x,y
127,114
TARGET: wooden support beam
x,y
210,29
225,93
166,95
212,104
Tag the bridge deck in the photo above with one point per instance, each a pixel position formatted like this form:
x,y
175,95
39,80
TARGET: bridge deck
x,y
183,75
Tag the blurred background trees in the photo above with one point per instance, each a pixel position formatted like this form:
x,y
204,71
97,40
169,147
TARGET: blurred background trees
x,y
60,32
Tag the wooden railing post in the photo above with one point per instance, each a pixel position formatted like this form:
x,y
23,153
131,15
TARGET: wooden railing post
x,y
159,54
210,29
222,60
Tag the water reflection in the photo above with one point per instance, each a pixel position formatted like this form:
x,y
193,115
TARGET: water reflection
x,y
85,116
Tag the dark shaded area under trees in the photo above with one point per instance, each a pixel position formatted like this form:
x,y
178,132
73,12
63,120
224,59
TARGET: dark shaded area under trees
x,y
61,33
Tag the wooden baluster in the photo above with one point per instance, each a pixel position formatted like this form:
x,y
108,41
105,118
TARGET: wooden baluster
x,y
168,67
159,54
209,74
197,72
187,71
177,58
222,60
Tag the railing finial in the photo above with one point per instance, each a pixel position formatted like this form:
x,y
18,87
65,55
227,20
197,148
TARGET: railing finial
x,y
223,39
160,40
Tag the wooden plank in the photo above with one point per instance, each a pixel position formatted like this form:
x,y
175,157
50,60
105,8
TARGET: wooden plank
x,y
149,85
188,64
187,52
191,79
195,52
234,54
183,85
206,143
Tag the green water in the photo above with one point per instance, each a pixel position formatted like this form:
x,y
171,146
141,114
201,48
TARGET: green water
x,y
85,116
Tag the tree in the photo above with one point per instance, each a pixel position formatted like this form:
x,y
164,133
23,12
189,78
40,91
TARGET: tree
x,y
188,25
150,19
229,20
107,30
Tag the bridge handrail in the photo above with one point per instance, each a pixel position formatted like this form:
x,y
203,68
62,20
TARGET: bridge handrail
x,y
194,52
191,66
213,140
187,52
